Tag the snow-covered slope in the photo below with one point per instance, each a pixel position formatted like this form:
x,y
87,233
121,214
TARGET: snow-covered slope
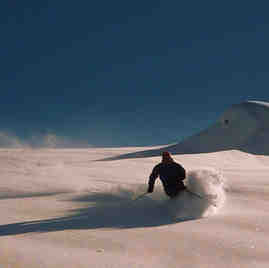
x,y
242,127
60,208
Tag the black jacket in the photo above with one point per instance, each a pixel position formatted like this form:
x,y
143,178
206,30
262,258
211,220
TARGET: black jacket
x,y
171,174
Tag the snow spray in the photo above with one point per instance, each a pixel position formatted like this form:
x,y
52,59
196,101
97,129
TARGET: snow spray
x,y
205,195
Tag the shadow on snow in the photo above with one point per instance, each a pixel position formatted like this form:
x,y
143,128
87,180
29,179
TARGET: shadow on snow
x,y
105,210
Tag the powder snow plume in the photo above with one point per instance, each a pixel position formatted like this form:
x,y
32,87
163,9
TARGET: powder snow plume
x,y
120,208
204,198
48,140
210,183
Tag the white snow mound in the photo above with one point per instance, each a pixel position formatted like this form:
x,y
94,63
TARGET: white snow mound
x,y
243,127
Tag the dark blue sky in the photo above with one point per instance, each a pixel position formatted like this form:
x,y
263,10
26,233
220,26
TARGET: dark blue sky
x,y
129,72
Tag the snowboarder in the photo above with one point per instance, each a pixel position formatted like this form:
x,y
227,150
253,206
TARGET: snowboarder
x,y
171,174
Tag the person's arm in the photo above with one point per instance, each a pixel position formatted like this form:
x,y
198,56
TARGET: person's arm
x,y
152,178
181,172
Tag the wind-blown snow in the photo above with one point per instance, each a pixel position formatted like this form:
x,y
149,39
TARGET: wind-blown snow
x,y
49,140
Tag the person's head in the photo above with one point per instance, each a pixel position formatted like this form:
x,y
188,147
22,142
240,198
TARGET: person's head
x,y
166,157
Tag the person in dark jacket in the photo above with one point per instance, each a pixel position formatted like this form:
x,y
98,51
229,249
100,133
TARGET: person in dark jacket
x,y
171,175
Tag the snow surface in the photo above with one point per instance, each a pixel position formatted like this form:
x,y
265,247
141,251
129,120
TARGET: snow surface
x,y
62,208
